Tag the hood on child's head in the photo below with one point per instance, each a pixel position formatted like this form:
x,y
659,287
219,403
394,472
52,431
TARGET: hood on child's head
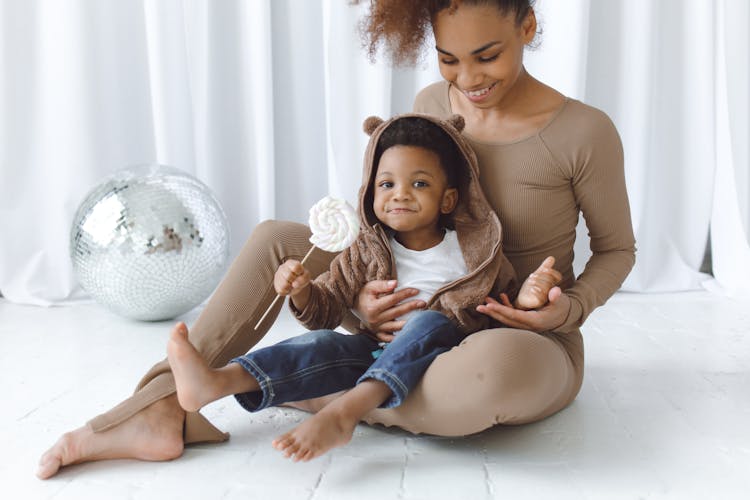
x,y
472,206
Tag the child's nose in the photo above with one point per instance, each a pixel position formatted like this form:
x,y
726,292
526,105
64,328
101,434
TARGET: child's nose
x,y
402,193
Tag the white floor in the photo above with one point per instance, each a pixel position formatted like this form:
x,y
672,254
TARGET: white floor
x,y
664,413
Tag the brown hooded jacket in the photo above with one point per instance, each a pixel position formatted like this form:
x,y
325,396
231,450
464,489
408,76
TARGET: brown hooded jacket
x,y
370,258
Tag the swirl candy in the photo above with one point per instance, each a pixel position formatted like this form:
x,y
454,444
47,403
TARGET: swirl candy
x,y
334,224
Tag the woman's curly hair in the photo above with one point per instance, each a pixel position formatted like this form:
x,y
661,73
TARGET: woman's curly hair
x,y
402,27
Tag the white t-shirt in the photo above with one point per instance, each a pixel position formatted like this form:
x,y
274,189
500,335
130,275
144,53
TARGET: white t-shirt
x,y
428,270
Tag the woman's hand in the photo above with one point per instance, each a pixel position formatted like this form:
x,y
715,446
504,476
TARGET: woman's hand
x,y
546,318
376,307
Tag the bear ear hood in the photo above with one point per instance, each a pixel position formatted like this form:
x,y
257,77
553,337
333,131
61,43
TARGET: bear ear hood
x,y
472,205
458,122
371,123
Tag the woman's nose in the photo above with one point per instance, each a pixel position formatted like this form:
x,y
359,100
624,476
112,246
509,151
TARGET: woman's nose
x,y
468,78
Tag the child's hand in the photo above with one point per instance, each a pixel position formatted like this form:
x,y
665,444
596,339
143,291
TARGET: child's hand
x,y
535,290
291,278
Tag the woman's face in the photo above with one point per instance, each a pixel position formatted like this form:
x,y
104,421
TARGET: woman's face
x,y
480,51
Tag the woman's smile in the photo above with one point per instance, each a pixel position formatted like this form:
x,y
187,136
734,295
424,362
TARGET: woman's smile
x,y
480,94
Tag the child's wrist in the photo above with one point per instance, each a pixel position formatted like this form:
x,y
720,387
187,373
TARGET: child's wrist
x,y
301,298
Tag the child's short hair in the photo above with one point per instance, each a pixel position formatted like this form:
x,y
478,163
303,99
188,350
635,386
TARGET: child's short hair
x,y
420,132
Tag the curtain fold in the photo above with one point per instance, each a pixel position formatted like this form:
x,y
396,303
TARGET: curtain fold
x,y
264,100
731,205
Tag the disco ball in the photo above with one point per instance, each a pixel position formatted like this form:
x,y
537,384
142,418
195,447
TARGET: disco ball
x,y
149,242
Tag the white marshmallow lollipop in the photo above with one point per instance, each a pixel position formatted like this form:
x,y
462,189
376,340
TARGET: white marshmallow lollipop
x,y
334,225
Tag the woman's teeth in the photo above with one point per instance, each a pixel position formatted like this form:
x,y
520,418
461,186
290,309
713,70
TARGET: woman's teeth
x,y
478,93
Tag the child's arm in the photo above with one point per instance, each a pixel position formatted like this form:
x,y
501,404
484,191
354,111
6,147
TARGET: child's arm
x,y
294,280
535,289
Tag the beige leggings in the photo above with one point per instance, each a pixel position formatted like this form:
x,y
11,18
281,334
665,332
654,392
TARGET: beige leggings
x,y
499,376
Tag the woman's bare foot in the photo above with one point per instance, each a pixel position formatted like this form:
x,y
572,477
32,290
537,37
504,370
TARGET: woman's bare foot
x,y
195,380
534,291
325,430
155,433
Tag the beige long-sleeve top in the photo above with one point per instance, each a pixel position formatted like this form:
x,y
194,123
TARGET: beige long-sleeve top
x,y
539,184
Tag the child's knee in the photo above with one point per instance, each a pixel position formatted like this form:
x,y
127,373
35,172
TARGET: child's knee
x,y
429,323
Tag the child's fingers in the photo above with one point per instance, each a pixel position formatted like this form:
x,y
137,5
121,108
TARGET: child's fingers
x,y
300,281
547,263
293,266
545,279
546,276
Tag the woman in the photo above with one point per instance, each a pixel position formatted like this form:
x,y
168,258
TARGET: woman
x,y
543,158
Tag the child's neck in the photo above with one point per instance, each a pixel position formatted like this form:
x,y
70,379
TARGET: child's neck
x,y
420,239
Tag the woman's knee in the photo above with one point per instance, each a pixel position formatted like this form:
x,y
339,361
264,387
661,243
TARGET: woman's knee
x,y
493,377
512,366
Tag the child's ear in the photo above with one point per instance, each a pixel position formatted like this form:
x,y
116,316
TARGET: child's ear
x,y
449,201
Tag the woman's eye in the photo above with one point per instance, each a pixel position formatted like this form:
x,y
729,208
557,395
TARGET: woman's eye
x,y
449,62
489,59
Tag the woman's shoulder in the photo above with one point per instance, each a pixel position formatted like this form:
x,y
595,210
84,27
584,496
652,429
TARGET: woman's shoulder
x,y
577,119
582,136
580,127
433,99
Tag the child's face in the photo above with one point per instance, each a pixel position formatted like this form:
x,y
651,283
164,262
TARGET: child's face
x,y
411,191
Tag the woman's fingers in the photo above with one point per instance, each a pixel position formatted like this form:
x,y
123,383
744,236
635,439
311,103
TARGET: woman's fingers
x,y
505,300
547,318
390,314
388,301
378,287
507,315
385,336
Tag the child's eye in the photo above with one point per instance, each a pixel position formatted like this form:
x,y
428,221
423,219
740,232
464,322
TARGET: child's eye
x,y
420,184
386,184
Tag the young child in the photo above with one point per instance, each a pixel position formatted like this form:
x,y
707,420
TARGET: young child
x,y
426,222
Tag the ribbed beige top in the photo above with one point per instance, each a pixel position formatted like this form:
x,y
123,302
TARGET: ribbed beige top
x,y
539,184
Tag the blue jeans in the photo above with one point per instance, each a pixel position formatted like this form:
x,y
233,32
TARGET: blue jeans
x,y
322,362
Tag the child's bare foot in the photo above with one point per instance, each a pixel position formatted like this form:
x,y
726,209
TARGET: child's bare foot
x,y
196,382
535,290
316,435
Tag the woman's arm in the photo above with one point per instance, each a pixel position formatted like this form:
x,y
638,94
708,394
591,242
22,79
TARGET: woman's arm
x,y
596,172
378,306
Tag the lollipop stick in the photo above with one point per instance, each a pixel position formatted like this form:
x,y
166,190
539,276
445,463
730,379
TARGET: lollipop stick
x,y
304,259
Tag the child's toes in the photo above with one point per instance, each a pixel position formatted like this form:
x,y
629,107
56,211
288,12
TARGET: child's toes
x,y
282,442
291,450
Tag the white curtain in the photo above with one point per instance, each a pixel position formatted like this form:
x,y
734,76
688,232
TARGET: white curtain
x,y
673,75
263,100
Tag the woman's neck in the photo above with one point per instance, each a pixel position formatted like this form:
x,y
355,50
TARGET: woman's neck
x,y
523,111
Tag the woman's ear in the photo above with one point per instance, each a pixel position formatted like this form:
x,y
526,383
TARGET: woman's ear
x,y
371,123
528,26
449,201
